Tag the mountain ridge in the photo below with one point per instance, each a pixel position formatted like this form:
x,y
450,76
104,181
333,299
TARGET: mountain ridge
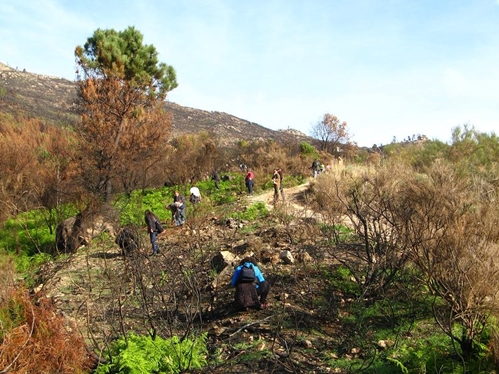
x,y
54,99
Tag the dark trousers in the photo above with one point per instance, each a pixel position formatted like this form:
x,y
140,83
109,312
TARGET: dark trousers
x,y
152,237
249,296
246,296
249,184
262,291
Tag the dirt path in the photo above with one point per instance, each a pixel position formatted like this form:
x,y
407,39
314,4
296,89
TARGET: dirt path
x,y
295,200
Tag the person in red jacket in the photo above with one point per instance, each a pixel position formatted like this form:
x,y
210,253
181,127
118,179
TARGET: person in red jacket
x,y
250,181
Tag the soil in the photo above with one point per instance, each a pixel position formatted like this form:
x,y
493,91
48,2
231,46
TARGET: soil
x,y
186,290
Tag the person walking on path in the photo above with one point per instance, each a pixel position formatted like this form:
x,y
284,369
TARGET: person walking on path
x,y
153,228
250,181
281,188
316,166
276,180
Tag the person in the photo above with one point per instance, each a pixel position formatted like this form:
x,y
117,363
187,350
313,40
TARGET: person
x,y
276,181
153,228
281,188
177,208
250,181
127,239
215,178
195,195
250,293
315,167
174,209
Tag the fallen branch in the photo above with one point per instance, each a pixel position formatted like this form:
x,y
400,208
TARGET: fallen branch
x,y
249,324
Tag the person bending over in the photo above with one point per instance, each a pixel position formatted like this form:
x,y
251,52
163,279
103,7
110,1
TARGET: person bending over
x,y
251,287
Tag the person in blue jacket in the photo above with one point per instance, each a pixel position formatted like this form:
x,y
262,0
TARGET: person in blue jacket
x,y
251,287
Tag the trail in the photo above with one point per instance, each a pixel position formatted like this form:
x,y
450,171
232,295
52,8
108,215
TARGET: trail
x,y
295,200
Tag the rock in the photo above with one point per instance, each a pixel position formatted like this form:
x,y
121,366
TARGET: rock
x,y
79,230
218,330
67,234
287,257
233,223
223,263
307,344
241,249
222,260
280,353
384,344
267,256
305,258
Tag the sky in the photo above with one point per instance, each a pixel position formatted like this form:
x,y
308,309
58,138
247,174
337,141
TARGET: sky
x,y
390,69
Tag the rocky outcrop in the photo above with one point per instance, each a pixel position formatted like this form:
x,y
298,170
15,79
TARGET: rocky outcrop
x,y
79,230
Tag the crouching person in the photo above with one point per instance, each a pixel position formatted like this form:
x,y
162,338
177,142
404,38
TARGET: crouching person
x,y
251,287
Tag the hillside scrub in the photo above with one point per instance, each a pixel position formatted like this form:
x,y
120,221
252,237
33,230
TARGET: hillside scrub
x,y
181,293
34,337
35,167
437,223
394,271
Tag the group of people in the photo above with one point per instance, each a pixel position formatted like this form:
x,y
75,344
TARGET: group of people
x,y
277,181
251,286
317,168
177,207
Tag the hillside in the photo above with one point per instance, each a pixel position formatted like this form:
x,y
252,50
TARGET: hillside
x,y
54,100
84,287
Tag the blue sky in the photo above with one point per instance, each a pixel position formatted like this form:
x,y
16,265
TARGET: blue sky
x,y
389,68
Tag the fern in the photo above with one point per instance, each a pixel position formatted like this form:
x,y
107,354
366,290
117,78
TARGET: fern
x,y
142,354
400,365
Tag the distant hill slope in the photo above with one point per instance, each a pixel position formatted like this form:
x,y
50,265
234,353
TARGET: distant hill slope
x,y
53,99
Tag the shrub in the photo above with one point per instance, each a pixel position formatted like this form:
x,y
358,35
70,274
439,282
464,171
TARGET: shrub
x,y
252,213
34,339
307,149
143,354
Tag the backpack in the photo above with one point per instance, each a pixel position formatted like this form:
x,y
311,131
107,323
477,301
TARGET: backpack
x,y
159,227
247,274
195,199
